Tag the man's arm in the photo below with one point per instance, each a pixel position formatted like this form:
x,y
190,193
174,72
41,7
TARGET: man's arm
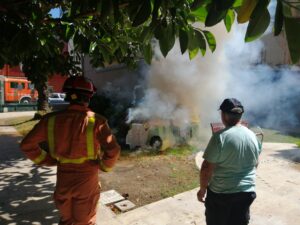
x,y
109,146
206,172
32,144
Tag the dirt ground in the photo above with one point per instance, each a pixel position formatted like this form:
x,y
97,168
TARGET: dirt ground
x,y
145,179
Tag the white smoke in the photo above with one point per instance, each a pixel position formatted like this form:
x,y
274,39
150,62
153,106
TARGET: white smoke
x,y
182,89
269,94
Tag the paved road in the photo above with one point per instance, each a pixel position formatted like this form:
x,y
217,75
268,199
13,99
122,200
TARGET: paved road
x,y
26,192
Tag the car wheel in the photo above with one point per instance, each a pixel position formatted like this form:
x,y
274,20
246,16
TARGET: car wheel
x,y
156,142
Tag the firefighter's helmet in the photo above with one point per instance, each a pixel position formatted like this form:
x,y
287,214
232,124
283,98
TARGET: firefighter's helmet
x,y
79,84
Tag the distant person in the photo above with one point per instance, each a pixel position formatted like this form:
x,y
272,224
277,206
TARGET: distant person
x,y
79,142
227,175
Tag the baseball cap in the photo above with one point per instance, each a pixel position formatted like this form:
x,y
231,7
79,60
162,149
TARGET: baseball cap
x,y
232,105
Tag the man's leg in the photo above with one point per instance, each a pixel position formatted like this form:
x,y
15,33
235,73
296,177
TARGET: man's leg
x,y
240,214
217,208
84,210
85,200
63,204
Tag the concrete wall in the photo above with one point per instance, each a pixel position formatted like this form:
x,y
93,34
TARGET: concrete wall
x,y
276,50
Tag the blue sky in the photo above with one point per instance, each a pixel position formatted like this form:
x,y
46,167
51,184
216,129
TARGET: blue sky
x,y
55,12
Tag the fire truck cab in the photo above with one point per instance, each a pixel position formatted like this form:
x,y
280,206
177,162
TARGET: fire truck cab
x,y
17,90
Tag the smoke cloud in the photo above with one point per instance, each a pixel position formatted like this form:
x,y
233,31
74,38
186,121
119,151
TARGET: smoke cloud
x,y
183,89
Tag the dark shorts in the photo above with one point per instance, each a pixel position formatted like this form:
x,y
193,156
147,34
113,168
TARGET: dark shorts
x,y
228,209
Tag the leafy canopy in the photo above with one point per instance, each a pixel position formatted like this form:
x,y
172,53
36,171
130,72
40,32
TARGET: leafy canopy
x,y
123,30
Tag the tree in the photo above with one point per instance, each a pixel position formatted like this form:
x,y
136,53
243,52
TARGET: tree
x,y
123,30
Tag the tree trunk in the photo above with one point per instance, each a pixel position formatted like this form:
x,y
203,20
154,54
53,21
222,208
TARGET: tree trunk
x,y
42,103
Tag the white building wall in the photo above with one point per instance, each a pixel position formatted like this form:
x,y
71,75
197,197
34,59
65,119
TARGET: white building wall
x,y
276,50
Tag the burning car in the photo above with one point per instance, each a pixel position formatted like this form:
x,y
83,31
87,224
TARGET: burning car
x,y
160,134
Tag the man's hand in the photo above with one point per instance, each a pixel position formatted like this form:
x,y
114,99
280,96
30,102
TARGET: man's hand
x,y
206,172
201,195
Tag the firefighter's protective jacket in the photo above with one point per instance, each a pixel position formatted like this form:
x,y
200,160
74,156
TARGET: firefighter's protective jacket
x,y
75,136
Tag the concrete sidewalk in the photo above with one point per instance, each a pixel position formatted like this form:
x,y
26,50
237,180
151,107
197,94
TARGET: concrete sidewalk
x,y
277,203
6,115
178,210
26,192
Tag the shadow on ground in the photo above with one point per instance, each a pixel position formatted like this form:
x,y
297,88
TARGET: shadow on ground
x,y
25,190
289,154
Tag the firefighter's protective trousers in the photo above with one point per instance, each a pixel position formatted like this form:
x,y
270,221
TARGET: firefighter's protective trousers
x,y
75,140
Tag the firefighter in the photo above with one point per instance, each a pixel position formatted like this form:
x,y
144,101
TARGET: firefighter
x,y
78,142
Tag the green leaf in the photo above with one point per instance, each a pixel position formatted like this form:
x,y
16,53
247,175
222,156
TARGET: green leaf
x,y
43,41
224,4
200,14
183,40
167,40
210,38
198,3
143,14
237,3
201,41
278,18
147,52
106,55
292,27
147,33
193,42
159,31
193,53
69,32
164,46
93,45
34,16
229,19
257,25
260,8
245,11
214,16
157,4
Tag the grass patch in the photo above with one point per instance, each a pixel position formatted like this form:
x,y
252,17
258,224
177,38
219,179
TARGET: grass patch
x,y
184,150
14,121
181,179
24,128
276,136
174,190
181,150
22,124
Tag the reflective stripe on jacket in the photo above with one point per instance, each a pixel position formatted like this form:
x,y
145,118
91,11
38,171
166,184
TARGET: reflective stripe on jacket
x,y
91,154
71,136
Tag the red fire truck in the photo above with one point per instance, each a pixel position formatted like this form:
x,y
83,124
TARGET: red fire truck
x,y
17,90
14,86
